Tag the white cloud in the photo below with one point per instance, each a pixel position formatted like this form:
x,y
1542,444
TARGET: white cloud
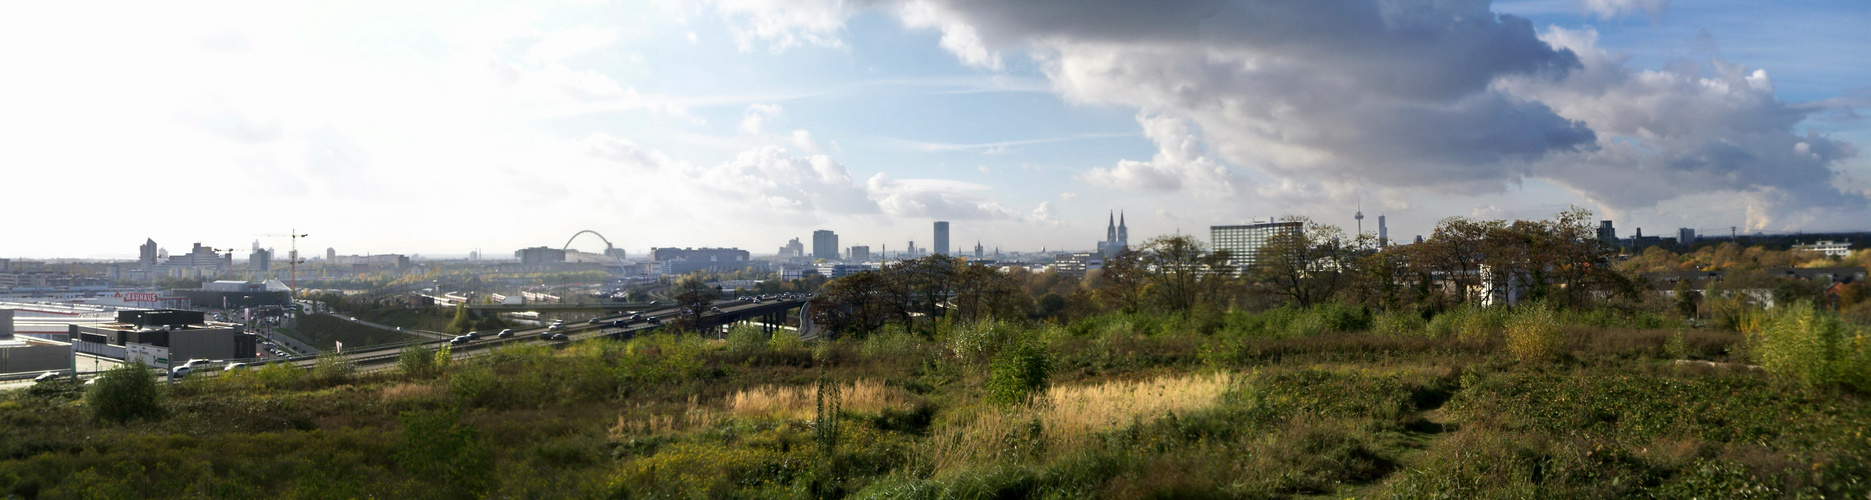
x,y
958,37
1181,164
934,199
1670,134
753,121
783,24
565,43
1606,9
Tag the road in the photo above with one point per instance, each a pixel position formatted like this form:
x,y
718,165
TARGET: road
x,y
385,356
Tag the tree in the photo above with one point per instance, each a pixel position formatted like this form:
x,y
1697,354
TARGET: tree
x,y
1182,272
694,297
462,322
125,393
981,292
1455,251
1121,282
853,305
1311,265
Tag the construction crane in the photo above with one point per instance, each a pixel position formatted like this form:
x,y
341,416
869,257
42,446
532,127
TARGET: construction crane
x,y
292,260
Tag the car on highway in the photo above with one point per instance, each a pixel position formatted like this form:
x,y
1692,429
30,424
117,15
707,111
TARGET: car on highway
x,y
655,320
51,375
473,335
593,321
181,371
504,333
636,316
197,363
559,336
460,340
714,309
234,367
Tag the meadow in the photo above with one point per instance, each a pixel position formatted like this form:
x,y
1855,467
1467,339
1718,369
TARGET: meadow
x,y
1287,403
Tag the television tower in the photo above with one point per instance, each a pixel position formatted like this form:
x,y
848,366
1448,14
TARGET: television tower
x,y
1360,218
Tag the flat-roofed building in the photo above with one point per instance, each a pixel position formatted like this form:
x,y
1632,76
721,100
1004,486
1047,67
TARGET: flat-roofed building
x,y
1244,241
187,334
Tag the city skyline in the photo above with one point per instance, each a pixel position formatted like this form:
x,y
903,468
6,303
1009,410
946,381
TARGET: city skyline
x,y
395,129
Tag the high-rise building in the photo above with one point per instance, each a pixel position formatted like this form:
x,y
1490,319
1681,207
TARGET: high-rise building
x,y
1243,242
260,260
860,253
146,254
1685,236
1383,233
824,245
793,249
331,254
1606,233
941,237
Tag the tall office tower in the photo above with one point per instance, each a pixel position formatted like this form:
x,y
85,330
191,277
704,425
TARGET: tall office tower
x,y
1685,236
941,237
824,245
146,254
860,253
1383,233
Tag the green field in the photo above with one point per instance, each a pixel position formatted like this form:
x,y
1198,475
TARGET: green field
x,y
1286,403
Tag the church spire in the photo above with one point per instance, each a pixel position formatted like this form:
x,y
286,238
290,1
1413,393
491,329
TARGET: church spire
x,y
1110,231
1123,233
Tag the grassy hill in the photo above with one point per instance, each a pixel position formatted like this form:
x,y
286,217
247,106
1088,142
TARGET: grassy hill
x,y
321,330
1285,403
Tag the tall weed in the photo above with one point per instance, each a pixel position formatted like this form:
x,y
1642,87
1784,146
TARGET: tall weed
x,y
1814,347
1533,333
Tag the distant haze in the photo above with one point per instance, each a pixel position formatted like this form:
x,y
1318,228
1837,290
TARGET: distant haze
x,y
417,129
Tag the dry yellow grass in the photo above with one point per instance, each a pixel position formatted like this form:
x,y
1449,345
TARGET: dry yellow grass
x,y
801,402
694,416
1071,416
409,391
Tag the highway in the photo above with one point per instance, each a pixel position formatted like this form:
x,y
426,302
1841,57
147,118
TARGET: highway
x,y
385,356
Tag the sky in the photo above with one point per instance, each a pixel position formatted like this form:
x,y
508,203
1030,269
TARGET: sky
x,y
440,128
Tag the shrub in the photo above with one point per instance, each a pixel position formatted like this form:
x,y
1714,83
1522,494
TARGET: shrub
x,y
332,368
1814,347
785,340
125,393
1533,333
1676,346
746,340
982,338
1018,372
1468,322
416,361
896,346
1397,324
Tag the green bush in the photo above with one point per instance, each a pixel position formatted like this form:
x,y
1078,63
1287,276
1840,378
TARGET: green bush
x,y
745,339
1398,324
1814,347
332,368
127,392
981,339
1467,322
417,361
1017,373
1533,333
894,346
